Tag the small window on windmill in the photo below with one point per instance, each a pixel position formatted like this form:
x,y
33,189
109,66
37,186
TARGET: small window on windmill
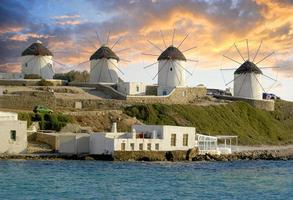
x,y
171,69
137,88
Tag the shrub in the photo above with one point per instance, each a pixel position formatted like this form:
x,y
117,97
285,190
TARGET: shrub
x,y
43,82
32,76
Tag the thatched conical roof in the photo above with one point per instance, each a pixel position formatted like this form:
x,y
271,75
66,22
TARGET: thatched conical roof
x,y
172,53
36,49
248,67
104,52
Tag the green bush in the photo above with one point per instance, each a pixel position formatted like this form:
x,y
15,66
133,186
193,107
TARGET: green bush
x,y
54,121
43,82
32,76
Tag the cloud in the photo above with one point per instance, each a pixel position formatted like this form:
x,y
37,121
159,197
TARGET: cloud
x,y
213,26
68,22
26,36
66,17
13,16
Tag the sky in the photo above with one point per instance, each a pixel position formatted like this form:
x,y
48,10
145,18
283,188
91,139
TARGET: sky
x,y
73,30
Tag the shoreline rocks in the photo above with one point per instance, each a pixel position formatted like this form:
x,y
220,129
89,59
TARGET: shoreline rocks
x,y
191,155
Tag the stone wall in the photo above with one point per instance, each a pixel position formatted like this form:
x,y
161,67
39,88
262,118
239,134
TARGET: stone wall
x,y
177,96
29,82
27,100
49,138
151,90
150,155
268,105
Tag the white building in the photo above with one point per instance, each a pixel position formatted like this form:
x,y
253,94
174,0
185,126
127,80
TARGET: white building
x,y
211,144
37,59
13,135
171,72
144,138
131,88
70,143
104,66
247,81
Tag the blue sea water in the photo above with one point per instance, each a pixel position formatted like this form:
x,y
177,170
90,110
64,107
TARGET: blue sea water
x,y
29,179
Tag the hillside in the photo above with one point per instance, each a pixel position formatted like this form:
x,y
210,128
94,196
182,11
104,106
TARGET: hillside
x,y
253,126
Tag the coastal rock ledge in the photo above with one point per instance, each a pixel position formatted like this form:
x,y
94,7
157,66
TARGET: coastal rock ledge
x,y
191,155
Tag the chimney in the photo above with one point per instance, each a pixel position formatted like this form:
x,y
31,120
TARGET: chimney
x,y
114,128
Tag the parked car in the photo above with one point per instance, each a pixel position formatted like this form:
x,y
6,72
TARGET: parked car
x,y
42,109
270,96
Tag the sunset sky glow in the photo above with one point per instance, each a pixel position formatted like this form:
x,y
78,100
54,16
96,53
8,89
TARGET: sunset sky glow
x,y
69,29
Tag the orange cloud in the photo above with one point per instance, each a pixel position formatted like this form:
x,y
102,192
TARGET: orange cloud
x,y
26,36
68,22
66,17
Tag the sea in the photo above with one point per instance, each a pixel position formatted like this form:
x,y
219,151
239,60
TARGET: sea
x,y
71,179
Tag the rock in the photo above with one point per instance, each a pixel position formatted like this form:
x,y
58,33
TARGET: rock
x,y
192,153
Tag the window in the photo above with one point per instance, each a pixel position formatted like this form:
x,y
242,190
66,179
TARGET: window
x,y
157,146
149,146
173,139
25,64
171,69
185,139
140,146
164,92
132,146
122,146
137,88
13,135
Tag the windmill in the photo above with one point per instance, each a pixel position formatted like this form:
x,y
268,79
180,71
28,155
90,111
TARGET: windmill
x,y
104,62
248,77
171,66
38,60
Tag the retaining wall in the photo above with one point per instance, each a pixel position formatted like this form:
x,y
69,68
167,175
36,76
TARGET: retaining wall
x,y
50,139
268,105
29,82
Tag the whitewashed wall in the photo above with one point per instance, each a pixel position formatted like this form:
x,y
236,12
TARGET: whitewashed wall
x,y
107,143
130,88
171,75
104,71
40,65
248,86
73,143
6,144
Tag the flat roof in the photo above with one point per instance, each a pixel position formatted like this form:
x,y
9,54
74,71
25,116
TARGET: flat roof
x,y
226,136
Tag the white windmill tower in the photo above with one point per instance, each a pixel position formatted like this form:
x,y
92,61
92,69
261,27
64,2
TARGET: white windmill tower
x,y
37,59
103,66
171,74
171,67
104,62
248,77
